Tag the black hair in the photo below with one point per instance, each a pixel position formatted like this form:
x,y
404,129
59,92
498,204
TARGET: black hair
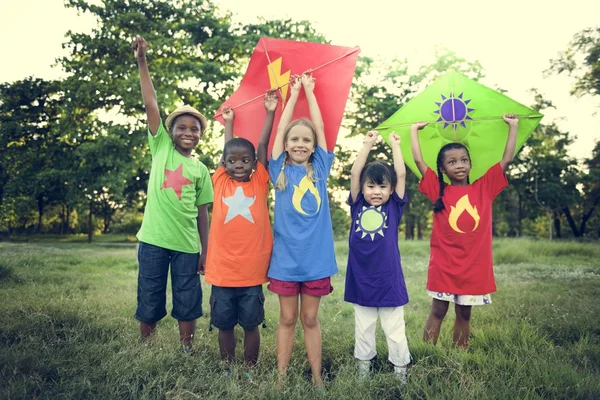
x,y
239,142
439,204
378,173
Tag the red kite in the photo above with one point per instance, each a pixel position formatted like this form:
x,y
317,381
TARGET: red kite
x,y
272,64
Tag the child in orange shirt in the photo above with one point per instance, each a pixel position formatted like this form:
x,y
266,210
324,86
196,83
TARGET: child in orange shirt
x,y
240,239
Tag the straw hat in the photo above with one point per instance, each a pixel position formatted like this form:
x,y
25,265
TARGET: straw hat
x,y
186,110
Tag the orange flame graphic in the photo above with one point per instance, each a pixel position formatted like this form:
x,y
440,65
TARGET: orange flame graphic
x,y
462,205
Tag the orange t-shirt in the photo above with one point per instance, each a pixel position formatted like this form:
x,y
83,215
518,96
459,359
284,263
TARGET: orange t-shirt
x,y
240,239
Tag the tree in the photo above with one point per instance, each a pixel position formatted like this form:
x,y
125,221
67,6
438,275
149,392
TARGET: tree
x,y
34,155
581,60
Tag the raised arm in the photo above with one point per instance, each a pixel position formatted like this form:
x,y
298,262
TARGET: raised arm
x,y
228,117
416,146
361,159
511,141
313,107
286,117
148,94
271,101
399,166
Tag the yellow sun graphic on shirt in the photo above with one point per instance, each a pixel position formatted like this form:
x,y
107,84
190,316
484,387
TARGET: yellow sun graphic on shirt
x,y
371,221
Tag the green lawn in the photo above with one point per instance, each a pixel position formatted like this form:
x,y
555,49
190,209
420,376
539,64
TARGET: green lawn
x,y
67,331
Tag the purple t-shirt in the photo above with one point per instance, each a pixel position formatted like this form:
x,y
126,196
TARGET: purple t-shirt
x,y
374,275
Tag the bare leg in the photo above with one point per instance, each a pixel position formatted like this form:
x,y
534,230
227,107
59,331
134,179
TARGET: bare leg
x,y
434,321
288,315
186,332
462,325
147,329
309,311
227,344
251,346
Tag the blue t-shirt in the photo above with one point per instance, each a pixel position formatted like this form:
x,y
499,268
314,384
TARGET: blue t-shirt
x,y
303,237
374,275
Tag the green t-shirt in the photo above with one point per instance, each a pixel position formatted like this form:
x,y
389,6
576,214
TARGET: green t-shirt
x,y
177,186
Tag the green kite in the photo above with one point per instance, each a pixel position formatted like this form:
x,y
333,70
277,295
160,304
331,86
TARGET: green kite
x,y
459,109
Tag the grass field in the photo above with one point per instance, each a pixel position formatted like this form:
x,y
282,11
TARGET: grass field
x,y
67,331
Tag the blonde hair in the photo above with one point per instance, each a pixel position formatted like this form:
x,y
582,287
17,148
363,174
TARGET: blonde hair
x,y
281,182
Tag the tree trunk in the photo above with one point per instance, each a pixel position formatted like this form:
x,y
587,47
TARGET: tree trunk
x,y
571,222
419,229
67,219
40,202
555,217
90,229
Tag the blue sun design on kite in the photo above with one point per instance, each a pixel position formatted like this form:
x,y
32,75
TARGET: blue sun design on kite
x,y
453,110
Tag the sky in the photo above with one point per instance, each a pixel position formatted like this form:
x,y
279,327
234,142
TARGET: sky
x,y
514,40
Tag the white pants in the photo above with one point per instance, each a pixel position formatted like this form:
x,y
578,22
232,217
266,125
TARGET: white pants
x,y
392,322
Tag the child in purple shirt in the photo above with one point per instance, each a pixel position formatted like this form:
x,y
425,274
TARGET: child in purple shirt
x,y
374,279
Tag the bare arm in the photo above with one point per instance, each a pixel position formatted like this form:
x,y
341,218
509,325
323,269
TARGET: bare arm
x,y
511,141
228,116
361,159
148,94
286,118
315,112
271,101
203,231
416,146
399,166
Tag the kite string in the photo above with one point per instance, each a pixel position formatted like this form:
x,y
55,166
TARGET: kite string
x,y
278,88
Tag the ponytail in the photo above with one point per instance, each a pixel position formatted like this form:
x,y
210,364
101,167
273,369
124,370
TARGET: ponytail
x,y
439,204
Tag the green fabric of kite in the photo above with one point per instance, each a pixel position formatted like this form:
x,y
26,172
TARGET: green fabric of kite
x,y
459,109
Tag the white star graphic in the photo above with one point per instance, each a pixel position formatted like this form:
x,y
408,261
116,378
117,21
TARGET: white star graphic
x,y
239,205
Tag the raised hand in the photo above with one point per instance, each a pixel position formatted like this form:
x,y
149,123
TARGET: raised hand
x,y
271,100
295,84
139,46
228,114
511,119
394,138
308,82
419,125
371,137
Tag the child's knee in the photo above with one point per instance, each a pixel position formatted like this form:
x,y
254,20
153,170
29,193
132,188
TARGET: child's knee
x,y
439,309
463,312
309,320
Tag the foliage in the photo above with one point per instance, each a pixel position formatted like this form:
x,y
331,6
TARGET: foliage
x,y
581,60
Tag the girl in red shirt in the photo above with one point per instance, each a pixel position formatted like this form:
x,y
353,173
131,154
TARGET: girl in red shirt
x,y
460,264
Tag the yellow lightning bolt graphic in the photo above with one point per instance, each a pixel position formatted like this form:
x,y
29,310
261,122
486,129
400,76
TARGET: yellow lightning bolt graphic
x,y
277,78
463,204
299,191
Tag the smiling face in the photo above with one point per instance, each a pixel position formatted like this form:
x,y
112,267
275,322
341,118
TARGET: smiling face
x,y
239,162
377,194
456,164
186,133
300,141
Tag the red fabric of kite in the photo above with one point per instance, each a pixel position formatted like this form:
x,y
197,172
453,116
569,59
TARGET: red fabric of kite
x,y
272,64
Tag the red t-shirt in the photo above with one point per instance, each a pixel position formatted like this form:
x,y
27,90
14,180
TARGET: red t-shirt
x,y
461,237
240,239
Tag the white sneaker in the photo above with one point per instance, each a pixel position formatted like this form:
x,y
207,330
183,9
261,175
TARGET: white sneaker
x,y
364,368
401,374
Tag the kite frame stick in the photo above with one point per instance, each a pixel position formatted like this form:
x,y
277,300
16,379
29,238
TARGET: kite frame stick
x,y
472,120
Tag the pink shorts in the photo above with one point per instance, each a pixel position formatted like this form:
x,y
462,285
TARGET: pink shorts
x,y
320,287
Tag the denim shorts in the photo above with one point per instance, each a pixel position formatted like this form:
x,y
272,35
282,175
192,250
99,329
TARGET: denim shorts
x,y
154,264
232,305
